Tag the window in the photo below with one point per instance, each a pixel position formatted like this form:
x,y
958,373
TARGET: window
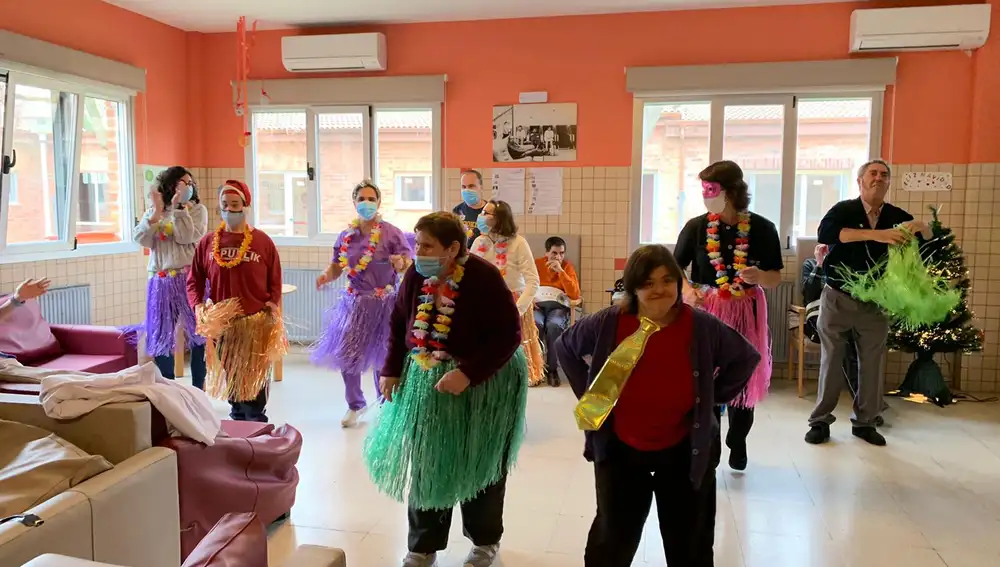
x,y
799,155
305,162
71,177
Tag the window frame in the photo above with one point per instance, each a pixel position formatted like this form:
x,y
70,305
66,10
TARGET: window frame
x,y
316,237
718,104
83,89
427,204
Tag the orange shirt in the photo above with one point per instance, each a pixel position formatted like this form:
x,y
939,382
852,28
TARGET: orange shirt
x,y
566,280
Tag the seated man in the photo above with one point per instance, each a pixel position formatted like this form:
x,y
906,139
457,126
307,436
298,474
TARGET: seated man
x,y
558,285
28,289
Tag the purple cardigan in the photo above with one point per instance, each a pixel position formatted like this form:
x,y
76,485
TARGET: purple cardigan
x,y
721,358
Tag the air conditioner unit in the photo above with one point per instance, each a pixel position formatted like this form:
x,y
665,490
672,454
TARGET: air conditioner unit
x,y
330,53
933,28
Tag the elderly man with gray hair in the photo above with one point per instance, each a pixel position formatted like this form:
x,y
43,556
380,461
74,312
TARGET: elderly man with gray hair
x,y
858,233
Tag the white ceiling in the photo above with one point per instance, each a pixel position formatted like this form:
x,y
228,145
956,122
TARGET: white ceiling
x,y
221,15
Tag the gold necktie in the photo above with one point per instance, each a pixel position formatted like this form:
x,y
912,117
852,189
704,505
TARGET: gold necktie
x,y
596,404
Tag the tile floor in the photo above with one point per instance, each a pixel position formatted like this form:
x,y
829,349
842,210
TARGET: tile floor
x,y
929,499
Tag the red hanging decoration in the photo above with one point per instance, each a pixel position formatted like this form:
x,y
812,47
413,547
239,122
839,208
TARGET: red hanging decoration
x,y
244,43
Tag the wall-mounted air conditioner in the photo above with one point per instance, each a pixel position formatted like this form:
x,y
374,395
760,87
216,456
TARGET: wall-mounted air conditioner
x,y
932,28
331,53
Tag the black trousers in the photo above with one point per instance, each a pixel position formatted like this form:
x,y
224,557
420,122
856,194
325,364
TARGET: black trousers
x,y
740,424
482,521
251,410
627,481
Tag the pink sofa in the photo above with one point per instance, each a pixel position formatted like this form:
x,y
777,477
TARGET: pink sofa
x,y
83,348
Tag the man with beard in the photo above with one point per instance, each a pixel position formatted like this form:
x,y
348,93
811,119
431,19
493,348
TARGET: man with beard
x,y
858,233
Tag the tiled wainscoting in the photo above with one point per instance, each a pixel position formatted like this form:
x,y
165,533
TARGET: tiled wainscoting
x,y
596,208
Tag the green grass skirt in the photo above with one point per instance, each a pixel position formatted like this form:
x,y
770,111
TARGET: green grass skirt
x,y
446,449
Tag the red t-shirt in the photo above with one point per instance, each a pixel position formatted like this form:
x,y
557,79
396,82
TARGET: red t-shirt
x,y
654,410
256,280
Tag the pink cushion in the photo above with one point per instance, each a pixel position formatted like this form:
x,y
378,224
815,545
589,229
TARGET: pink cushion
x,y
27,336
96,363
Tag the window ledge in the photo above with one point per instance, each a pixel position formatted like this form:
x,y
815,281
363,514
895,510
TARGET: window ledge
x,y
82,251
325,241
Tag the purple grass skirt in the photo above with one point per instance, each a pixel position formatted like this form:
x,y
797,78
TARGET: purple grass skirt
x,y
739,313
166,308
356,336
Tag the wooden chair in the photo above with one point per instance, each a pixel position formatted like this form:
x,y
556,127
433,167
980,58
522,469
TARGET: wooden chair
x,y
798,345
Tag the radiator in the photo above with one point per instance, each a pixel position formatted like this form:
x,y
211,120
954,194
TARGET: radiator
x,y
778,301
66,305
303,309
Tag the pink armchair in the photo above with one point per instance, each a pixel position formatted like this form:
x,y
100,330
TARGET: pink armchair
x,y
84,348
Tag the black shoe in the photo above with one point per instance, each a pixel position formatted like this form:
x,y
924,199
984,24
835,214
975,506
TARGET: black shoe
x,y
553,379
818,434
879,422
870,435
738,458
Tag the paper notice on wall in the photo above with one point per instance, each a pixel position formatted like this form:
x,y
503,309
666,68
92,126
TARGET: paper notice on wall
x,y
148,174
546,191
508,185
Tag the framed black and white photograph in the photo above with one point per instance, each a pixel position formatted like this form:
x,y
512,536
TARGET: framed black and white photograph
x,y
534,132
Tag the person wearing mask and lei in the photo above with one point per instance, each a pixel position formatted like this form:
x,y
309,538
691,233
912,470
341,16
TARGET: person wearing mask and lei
x,y
455,381
472,204
171,229
500,244
649,374
240,317
732,254
372,253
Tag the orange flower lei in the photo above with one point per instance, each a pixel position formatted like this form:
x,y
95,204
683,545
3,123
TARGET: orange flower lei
x,y
501,254
244,247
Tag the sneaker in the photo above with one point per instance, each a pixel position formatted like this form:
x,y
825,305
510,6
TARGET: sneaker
x,y
352,417
482,556
817,434
420,560
870,435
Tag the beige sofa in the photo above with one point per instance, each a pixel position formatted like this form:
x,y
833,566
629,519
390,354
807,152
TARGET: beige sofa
x,y
128,515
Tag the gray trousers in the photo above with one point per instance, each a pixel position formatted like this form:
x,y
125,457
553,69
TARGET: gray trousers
x,y
839,315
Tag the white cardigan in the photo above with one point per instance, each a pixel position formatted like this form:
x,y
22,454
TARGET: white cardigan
x,y
522,275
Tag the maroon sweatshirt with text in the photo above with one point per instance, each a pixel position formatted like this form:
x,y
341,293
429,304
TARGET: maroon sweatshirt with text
x,y
256,280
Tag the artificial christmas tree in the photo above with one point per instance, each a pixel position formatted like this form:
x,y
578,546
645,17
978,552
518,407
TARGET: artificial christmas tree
x,y
924,381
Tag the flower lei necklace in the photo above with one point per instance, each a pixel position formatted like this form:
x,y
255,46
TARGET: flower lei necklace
x,y
433,335
501,250
366,258
244,247
714,248
165,229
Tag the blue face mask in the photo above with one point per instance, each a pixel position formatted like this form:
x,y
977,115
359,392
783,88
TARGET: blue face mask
x,y
427,266
366,209
471,198
481,225
232,218
188,194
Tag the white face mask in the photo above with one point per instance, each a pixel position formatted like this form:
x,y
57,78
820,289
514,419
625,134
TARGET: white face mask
x,y
716,204
714,196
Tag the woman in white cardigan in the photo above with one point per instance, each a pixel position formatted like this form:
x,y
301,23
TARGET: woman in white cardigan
x,y
500,244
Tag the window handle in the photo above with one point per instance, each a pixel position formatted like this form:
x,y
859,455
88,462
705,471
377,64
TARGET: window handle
x,y
310,172
9,162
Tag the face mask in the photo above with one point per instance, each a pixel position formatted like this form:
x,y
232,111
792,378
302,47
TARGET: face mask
x,y
481,225
366,209
188,194
470,197
232,218
715,199
427,266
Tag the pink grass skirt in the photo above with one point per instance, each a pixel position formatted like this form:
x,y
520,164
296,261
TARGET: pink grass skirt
x,y
739,314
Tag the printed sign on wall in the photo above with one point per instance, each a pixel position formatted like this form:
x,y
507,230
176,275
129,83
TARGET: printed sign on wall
x,y
926,181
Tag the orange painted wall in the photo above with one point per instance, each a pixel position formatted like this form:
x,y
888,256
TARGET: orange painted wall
x,y
583,60
108,31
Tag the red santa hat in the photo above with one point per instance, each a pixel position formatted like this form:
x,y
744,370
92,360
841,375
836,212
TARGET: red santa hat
x,y
235,187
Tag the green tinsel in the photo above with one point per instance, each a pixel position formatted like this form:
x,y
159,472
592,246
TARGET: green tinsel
x,y
446,449
903,286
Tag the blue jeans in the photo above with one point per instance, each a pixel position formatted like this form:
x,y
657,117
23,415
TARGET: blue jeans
x,y
166,366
